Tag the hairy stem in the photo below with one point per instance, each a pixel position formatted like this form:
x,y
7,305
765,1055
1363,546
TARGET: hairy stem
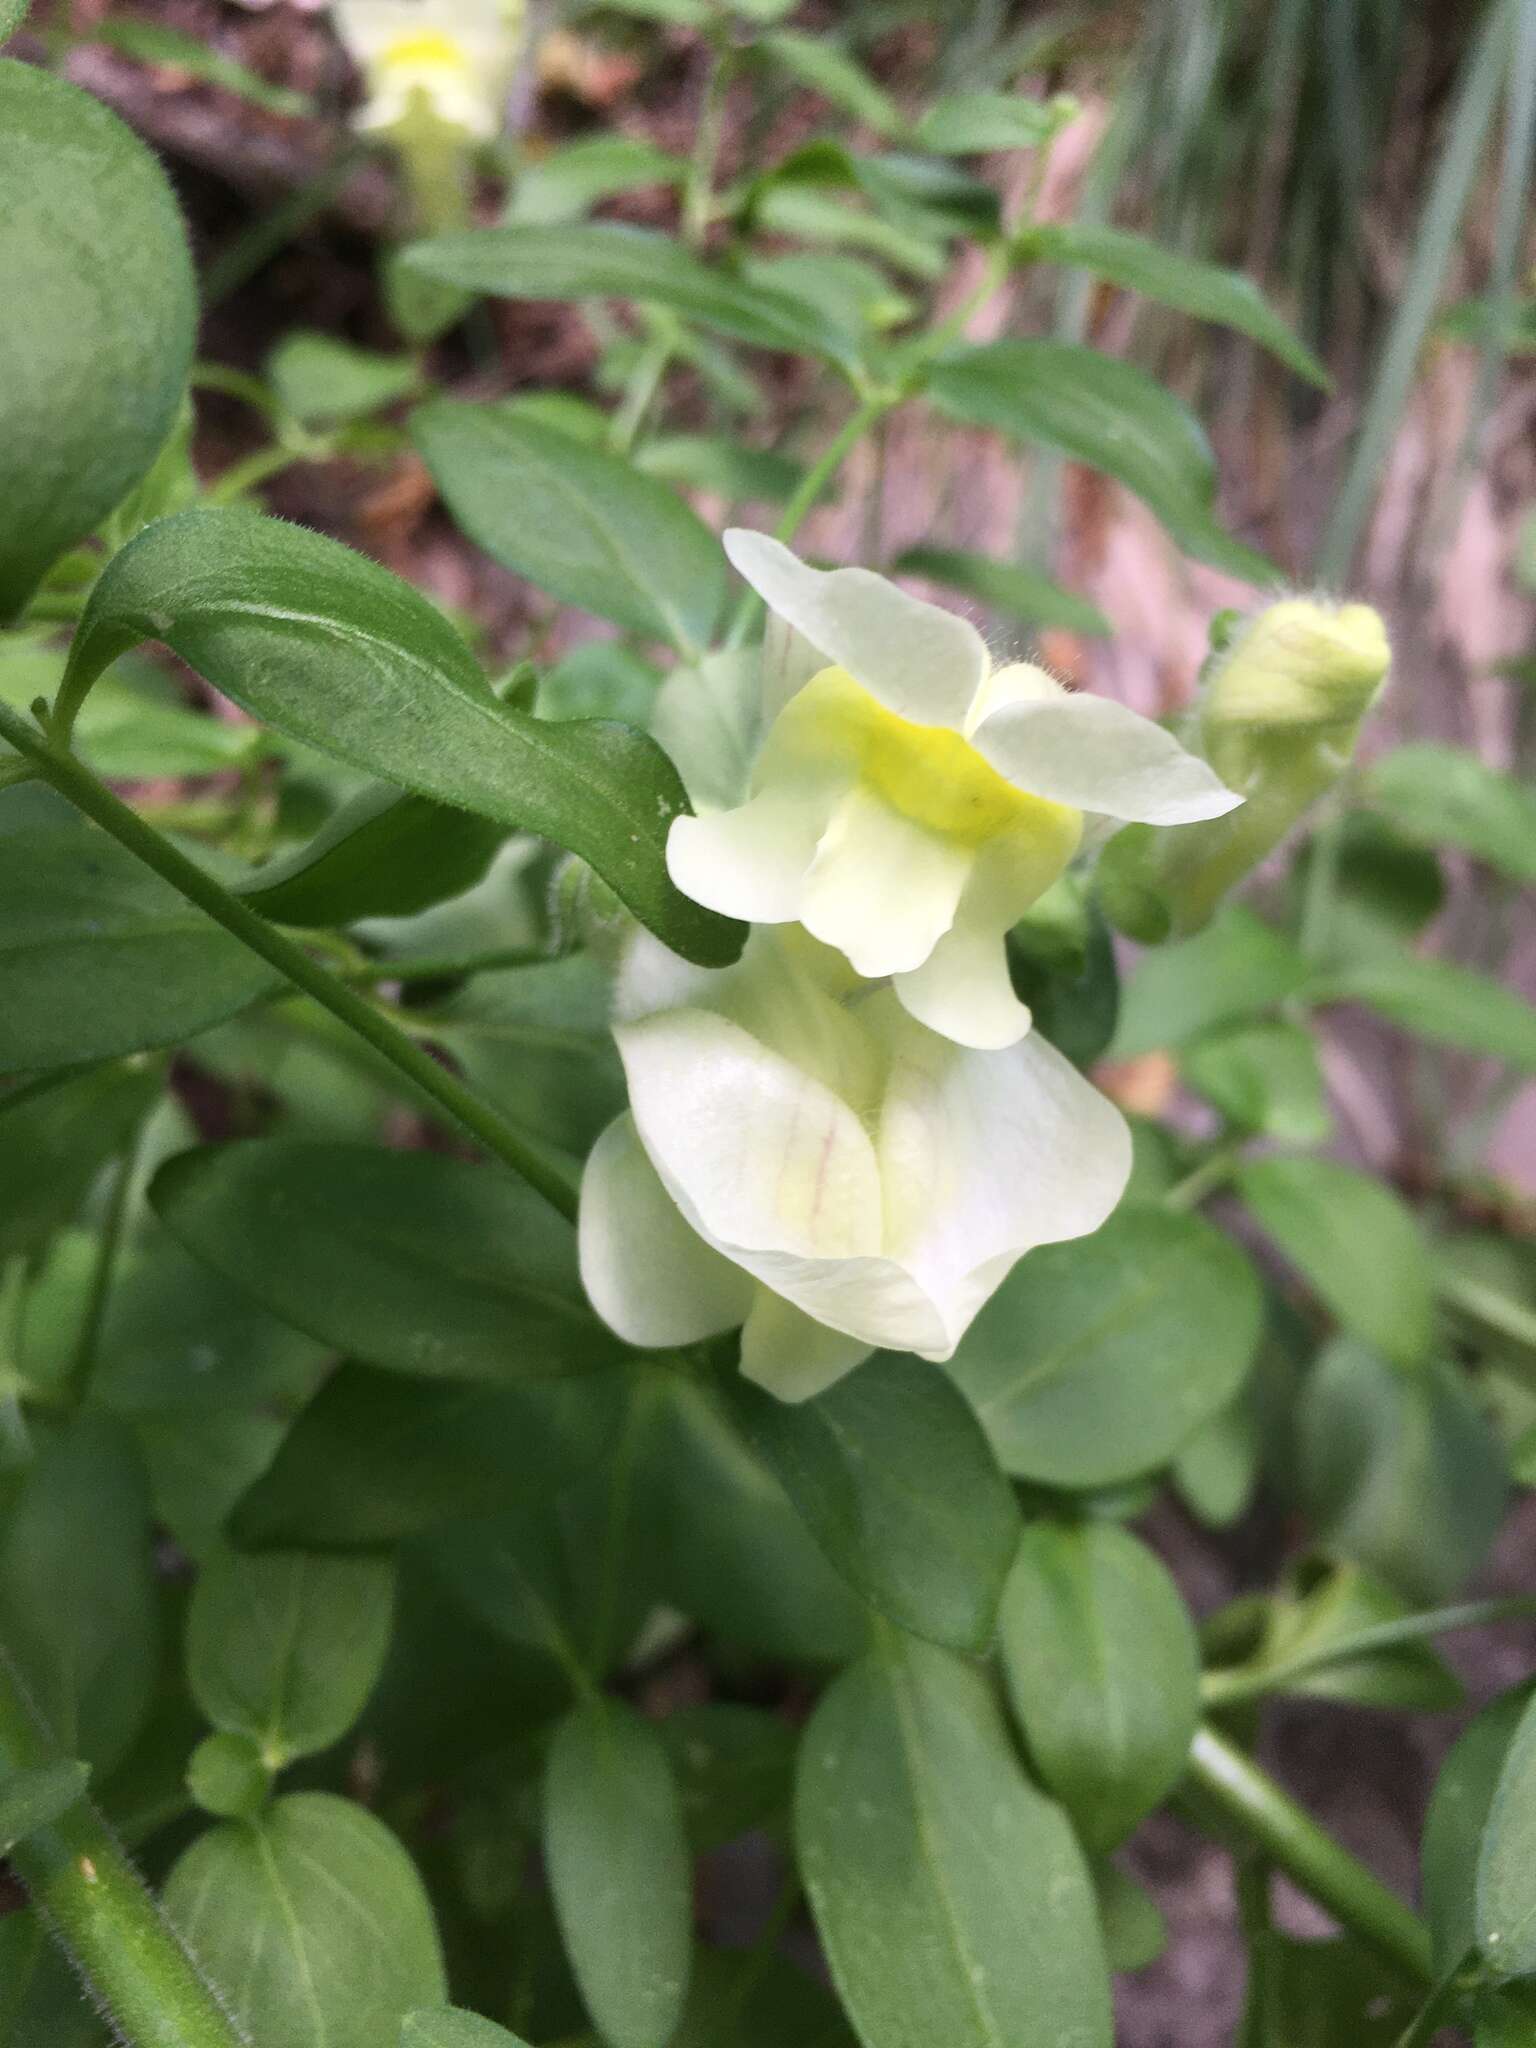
x,y
102,1914
1310,1856
526,1155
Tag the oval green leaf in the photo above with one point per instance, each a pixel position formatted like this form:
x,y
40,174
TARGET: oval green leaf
x,y
584,525
98,956
329,648
1505,1916
97,324
1102,1665
448,2027
380,854
1454,1825
1357,1244
375,1457
311,1923
1108,414
951,1897
285,1647
1447,796
1096,1360
618,1866
34,1798
895,1479
412,1260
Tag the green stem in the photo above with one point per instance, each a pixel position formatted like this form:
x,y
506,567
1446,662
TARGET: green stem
x,y
699,191
1233,1688
810,488
103,1916
1309,1855
1213,1172
644,383
525,1155
107,1253
252,470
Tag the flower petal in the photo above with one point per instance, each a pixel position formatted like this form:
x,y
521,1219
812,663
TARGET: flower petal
x,y
963,990
882,888
919,660
986,1154
757,1153
647,1273
1099,756
784,1350
752,862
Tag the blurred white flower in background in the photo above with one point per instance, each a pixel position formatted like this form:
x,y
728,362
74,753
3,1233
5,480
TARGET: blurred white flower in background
x,y
449,61
909,801
803,1158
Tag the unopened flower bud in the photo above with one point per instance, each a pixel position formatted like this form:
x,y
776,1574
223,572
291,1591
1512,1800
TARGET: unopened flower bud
x,y
1284,699
1300,668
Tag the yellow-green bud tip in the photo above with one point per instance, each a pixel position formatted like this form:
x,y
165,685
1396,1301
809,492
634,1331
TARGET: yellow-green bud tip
x,y
1300,662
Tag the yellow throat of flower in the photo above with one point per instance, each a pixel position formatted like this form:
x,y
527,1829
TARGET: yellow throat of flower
x,y
422,51
928,773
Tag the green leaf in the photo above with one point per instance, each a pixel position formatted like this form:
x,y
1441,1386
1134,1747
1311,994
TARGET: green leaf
x,y
951,1898
99,957
380,854
55,1135
1096,1360
1400,1469
285,1647
447,2027
1505,1915
412,1260
1101,1663
574,176
311,1923
177,1335
599,679
895,1480
1235,969
323,381
1322,1994
973,123
819,63
584,525
708,462
1206,290
1264,1078
1320,1606
1446,796
77,1592
730,1551
619,1871
1357,1244
98,321
156,44
1006,586
1108,414
733,1766
1457,1818
1438,999
12,14
35,1798
605,260
755,2000
1135,1932
375,1458
536,1040
332,650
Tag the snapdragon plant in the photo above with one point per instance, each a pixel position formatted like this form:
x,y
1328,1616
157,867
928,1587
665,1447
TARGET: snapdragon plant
x,y
581,1277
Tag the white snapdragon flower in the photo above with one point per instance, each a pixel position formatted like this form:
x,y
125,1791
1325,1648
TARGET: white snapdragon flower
x,y
910,801
804,1159
450,59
